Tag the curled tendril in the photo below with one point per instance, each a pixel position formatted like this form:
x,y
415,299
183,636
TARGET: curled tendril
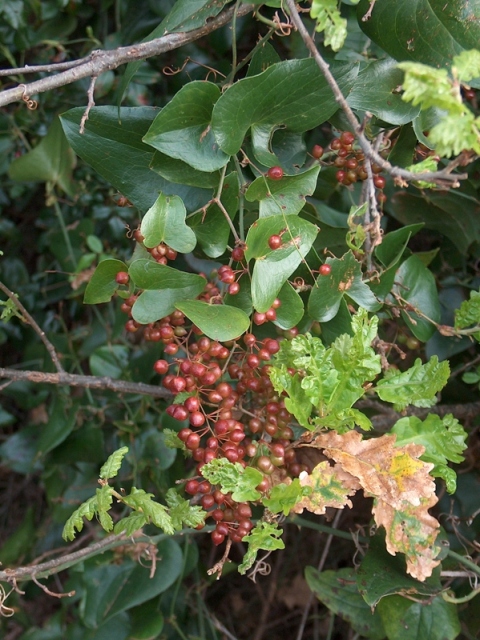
x,y
31,104
6,612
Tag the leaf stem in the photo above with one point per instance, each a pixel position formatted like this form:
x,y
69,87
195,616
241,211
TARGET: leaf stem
x,y
465,561
303,522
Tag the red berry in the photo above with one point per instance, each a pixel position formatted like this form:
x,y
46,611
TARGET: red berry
x,y
275,173
197,419
274,242
335,144
122,277
191,487
317,151
238,254
192,403
217,538
347,137
233,288
161,367
379,182
325,270
340,175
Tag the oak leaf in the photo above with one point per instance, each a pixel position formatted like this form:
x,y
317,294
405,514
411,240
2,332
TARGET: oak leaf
x,y
399,482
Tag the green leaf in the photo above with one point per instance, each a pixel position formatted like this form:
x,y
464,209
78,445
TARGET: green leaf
x,y
276,97
417,386
217,321
338,591
103,285
165,222
330,21
263,58
415,286
164,286
155,512
394,243
110,589
381,574
427,31
443,439
110,360
211,226
130,524
376,90
51,160
180,172
407,620
104,502
345,278
113,464
283,497
291,310
182,512
234,479
440,213
61,422
263,536
467,65
112,141
468,314
273,267
285,196
20,541
182,128
85,510
184,15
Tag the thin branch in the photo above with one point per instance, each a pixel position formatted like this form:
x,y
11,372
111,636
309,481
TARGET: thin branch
x,y
100,61
439,177
52,593
91,103
87,382
27,318
46,68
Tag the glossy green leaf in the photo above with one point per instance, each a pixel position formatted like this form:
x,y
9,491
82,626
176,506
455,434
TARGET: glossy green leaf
x,y
113,141
180,172
109,360
285,196
102,284
394,243
407,620
184,15
272,268
291,310
345,278
338,591
211,226
51,160
148,274
376,90
292,93
263,58
110,589
427,31
217,321
381,574
403,151
147,621
182,128
165,222
61,422
415,285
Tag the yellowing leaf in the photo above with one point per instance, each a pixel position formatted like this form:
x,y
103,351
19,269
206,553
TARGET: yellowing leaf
x,y
398,480
331,487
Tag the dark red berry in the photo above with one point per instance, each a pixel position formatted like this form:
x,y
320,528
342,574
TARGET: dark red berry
x,y
274,242
122,277
325,270
347,137
317,151
275,173
161,367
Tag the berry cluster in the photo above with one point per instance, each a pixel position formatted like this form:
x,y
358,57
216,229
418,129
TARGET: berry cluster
x,y
162,253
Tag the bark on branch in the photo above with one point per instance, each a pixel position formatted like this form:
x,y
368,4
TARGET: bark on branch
x,y
100,61
87,382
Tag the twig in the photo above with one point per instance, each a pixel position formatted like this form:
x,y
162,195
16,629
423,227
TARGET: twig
x,y
100,61
91,103
320,566
27,318
87,382
52,593
47,68
439,177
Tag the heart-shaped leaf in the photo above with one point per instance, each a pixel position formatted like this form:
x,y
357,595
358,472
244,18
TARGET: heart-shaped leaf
x,y
165,222
219,322
103,285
